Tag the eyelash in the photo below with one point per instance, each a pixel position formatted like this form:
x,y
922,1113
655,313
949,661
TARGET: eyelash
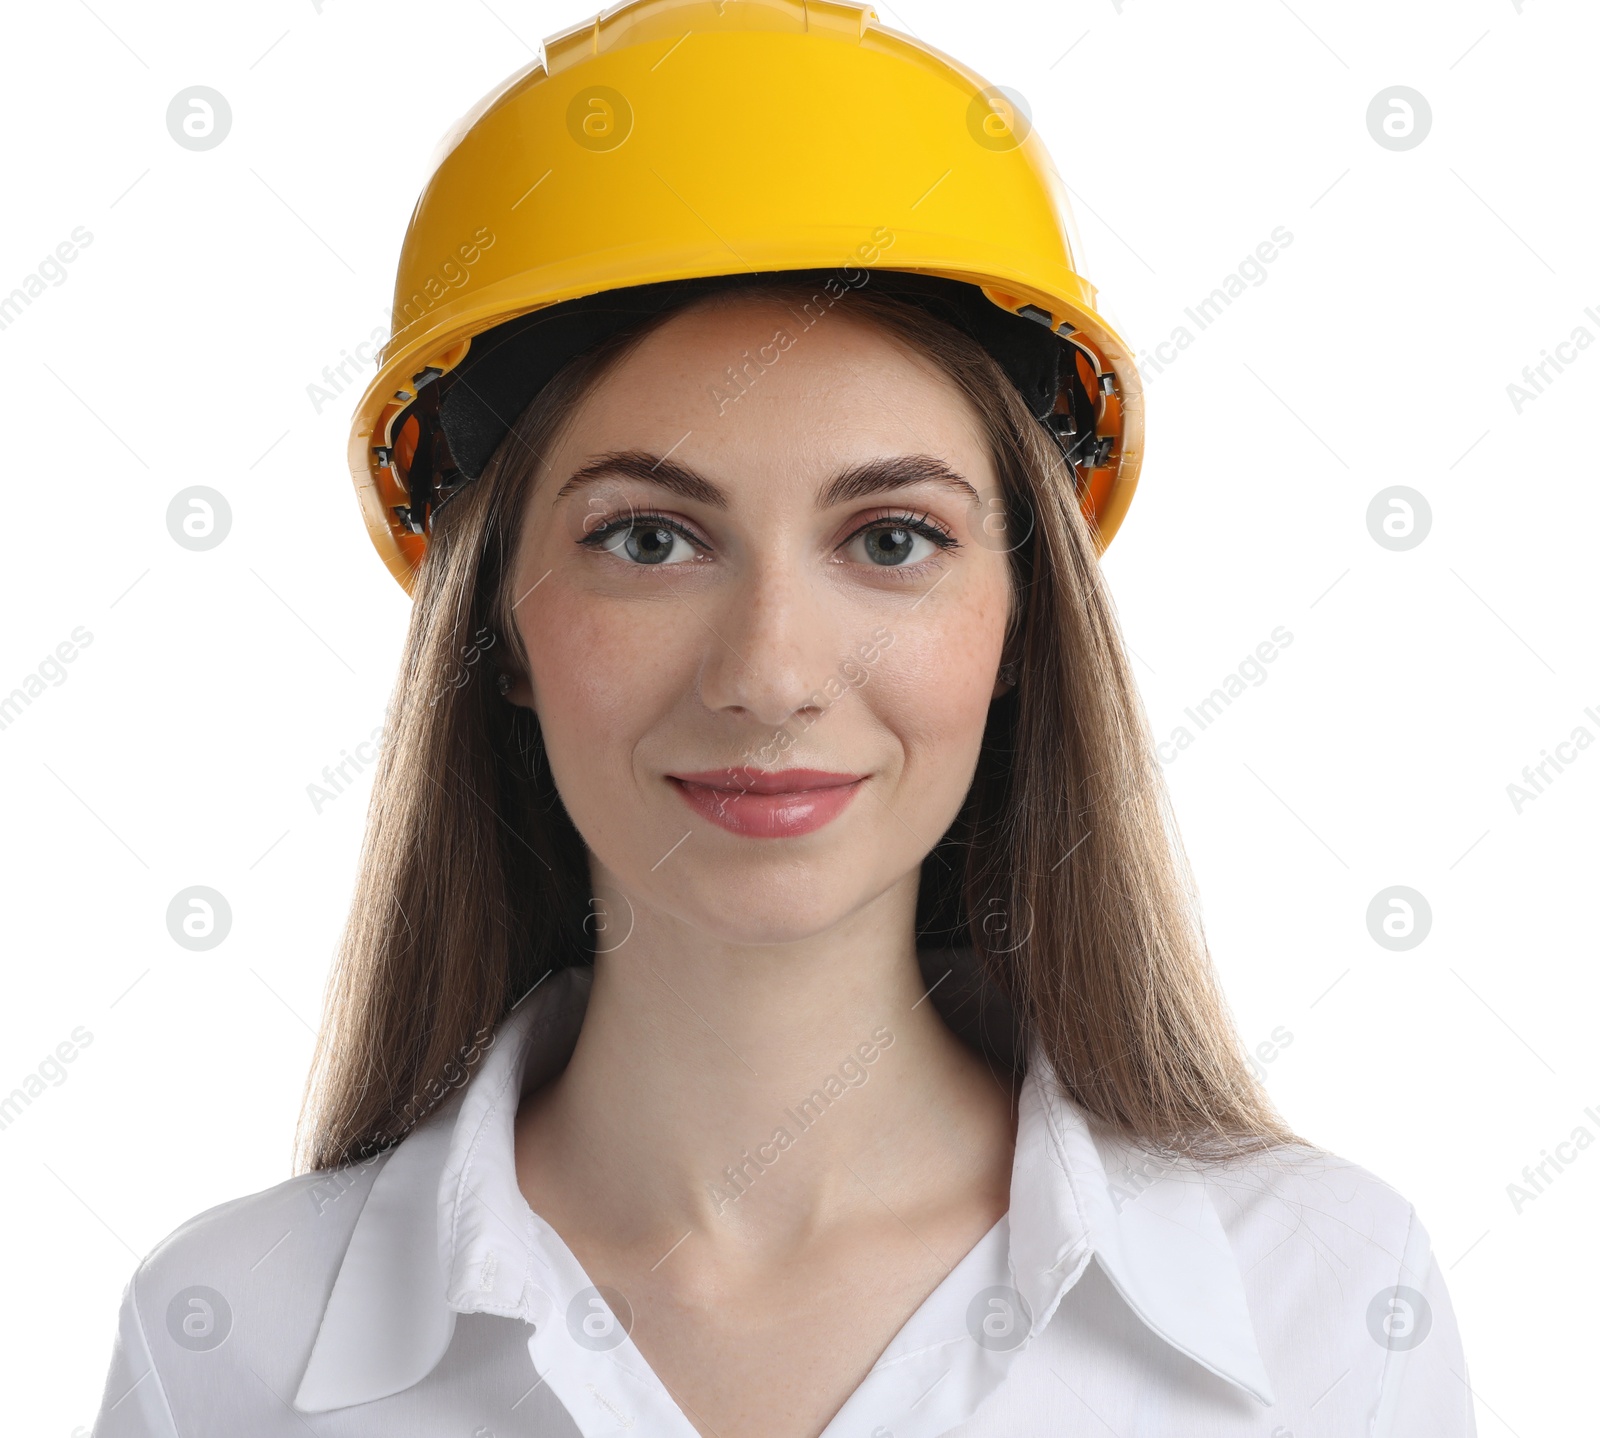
x,y
920,524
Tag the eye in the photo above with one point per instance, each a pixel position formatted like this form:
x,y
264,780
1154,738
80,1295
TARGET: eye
x,y
900,542
643,541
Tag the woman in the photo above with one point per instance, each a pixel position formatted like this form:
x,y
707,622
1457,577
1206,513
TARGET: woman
x,y
772,1003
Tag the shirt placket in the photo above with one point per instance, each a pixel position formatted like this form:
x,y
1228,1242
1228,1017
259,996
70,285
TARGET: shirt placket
x,y
957,1349
582,1353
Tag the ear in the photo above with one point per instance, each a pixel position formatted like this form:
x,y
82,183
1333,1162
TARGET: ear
x,y
519,691
1005,679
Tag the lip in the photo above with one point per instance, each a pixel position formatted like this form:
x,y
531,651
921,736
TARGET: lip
x,y
768,804
767,781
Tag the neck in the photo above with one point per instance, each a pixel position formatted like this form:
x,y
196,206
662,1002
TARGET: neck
x,y
758,1095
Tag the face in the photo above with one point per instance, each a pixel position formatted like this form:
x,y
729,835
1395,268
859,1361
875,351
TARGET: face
x,y
763,624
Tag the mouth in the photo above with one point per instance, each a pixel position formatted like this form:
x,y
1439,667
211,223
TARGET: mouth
x,y
768,804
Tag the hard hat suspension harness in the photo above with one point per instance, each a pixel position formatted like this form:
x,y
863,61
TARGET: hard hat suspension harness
x,y
454,420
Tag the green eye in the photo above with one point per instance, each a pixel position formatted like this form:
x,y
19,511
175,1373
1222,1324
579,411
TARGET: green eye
x,y
901,541
889,546
649,544
643,541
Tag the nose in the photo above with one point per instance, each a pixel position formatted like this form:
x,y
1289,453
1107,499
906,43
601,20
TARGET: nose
x,y
772,640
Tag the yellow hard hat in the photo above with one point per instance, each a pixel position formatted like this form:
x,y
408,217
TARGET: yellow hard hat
x,y
667,145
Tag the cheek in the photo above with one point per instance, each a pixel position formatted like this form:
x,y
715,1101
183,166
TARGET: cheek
x,y
937,682
602,675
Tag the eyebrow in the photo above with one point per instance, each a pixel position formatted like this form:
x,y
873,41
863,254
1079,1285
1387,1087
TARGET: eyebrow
x,y
857,481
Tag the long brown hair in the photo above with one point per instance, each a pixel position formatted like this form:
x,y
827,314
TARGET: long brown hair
x,y
1063,871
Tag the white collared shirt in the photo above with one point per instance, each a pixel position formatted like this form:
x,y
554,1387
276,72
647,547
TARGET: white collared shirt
x,y
1126,1294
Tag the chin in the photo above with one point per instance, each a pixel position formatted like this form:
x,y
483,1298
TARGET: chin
x,y
767,902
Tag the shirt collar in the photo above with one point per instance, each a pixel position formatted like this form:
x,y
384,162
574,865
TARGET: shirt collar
x,y
446,1230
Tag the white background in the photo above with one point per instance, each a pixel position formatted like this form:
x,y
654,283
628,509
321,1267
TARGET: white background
x,y
1418,683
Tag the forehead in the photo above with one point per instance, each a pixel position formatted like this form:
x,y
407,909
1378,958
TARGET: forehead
x,y
741,381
